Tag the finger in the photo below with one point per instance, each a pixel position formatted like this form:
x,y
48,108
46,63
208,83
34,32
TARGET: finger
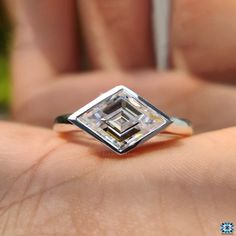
x,y
118,33
73,178
207,105
45,43
203,36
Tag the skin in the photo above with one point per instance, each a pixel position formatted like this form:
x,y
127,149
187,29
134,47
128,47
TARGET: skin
x,y
53,185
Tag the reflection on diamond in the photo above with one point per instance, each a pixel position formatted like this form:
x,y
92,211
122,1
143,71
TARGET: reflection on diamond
x,y
121,119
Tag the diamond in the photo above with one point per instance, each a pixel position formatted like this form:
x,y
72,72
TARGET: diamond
x,y
121,119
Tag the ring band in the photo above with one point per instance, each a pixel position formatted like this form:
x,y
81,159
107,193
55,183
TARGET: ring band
x,y
122,119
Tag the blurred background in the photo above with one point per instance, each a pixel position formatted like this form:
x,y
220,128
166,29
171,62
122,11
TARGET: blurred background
x,y
5,38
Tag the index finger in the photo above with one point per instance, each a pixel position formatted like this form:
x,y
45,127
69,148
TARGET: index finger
x,y
45,42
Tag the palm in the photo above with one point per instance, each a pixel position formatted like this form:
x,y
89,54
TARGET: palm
x,y
51,186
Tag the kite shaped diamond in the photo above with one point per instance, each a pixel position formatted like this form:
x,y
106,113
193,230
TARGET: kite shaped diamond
x,y
121,119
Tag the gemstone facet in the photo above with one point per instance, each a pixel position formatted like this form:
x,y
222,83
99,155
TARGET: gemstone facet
x,y
121,119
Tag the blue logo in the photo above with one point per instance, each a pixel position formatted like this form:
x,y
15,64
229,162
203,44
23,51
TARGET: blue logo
x,y
227,228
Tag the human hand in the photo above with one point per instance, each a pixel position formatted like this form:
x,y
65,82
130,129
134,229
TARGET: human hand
x,y
187,172
49,186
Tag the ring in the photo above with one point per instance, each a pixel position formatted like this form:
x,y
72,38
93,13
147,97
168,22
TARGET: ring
x,y
121,119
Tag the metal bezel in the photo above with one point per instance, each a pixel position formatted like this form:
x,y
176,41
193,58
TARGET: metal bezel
x,y
73,118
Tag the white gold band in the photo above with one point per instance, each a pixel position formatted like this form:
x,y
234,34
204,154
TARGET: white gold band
x,y
122,119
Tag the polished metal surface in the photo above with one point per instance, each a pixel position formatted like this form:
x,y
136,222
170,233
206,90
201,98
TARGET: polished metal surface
x,y
122,119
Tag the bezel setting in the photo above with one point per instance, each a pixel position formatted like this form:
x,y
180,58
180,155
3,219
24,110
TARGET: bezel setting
x,y
121,119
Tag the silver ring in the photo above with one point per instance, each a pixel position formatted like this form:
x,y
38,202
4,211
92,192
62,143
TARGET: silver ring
x,y
121,119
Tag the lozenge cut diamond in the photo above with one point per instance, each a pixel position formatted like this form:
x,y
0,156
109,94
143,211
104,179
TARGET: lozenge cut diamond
x,y
121,119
